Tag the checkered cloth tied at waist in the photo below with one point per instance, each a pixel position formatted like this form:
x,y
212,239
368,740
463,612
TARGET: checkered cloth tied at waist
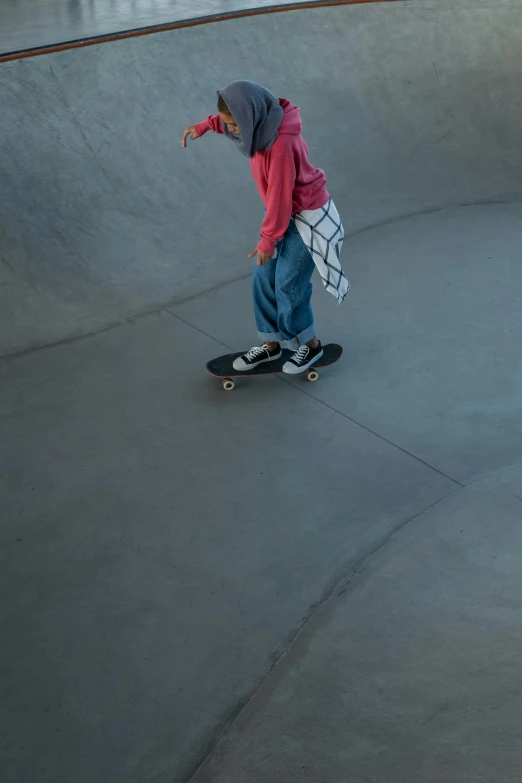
x,y
322,232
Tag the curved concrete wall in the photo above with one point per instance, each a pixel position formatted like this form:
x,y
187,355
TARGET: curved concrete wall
x,y
33,25
408,106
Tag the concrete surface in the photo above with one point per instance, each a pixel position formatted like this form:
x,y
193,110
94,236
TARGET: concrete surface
x,y
103,215
411,672
293,582
432,349
169,544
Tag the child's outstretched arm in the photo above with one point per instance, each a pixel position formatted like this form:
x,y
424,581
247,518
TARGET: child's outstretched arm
x,y
212,123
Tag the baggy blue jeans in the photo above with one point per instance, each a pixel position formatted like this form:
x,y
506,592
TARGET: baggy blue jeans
x,y
282,291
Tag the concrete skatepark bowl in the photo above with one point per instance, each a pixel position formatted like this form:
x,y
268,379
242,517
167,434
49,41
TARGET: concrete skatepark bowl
x,y
295,582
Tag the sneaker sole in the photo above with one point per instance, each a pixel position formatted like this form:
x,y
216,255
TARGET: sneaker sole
x,y
294,370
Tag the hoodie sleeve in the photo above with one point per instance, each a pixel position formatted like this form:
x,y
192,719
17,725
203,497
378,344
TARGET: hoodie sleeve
x,y
212,123
278,201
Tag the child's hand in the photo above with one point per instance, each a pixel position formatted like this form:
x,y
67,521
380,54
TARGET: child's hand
x,y
192,132
262,258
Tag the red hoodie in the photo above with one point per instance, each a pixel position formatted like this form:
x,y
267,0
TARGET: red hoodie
x,y
286,180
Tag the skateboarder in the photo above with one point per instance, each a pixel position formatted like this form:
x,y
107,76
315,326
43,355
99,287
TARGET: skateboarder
x,y
301,225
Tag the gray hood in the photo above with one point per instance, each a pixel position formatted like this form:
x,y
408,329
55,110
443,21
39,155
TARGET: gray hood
x,y
257,113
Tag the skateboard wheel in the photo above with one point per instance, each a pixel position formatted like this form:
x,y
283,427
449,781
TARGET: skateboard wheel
x,y
228,384
313,375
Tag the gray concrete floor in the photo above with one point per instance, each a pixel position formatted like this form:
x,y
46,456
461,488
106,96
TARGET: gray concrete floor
x,y
292,582
164,541
411,671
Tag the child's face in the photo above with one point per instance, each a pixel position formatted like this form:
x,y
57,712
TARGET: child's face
x,y
230,123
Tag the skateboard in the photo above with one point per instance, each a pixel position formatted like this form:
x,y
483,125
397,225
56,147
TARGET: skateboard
x,y
222,366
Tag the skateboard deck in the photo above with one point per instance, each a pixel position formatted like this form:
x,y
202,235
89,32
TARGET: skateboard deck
x,y
221,367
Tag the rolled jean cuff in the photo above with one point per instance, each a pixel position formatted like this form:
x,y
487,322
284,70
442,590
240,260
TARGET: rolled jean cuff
x,y
270,337
293,343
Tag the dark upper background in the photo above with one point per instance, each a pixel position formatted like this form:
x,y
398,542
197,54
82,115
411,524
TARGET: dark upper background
x,y
28,24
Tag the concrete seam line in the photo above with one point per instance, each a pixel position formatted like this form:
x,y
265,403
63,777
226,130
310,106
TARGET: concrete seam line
x,y
19,352
494,473
163,28
128,319
337,589
459,484
198,329
283,379
429,211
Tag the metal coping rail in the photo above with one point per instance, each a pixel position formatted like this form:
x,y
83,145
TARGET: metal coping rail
x,y
162,28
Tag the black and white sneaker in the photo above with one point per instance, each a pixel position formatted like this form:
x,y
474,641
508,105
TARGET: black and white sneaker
x,y
302,359
256,355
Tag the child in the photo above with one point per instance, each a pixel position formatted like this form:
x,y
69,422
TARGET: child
x,y
301,226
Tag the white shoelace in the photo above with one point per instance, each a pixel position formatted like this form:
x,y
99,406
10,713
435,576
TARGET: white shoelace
x,y
255,352
301,354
